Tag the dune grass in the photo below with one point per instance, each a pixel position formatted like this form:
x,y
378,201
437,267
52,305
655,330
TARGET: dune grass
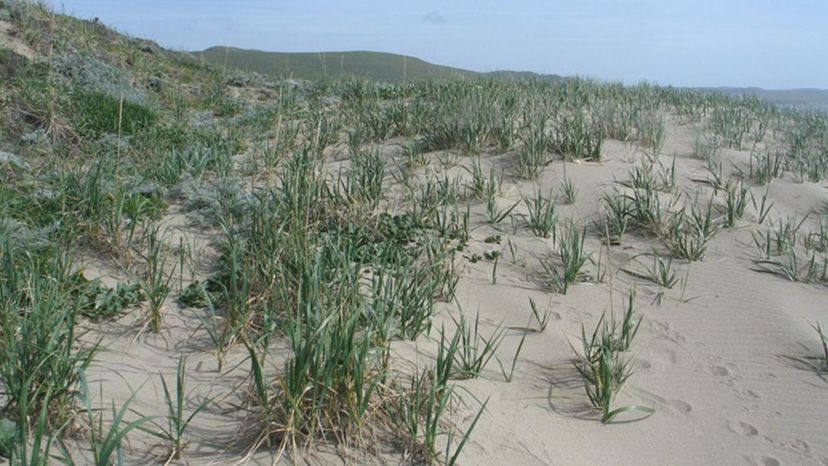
x,y
603,366
342,214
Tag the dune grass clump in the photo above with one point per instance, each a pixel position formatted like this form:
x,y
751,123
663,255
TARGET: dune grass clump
x,y
403,302
573,259
576,139
731,122
616,218
541,218
157,276
706,148
661,272
177,420
652,131
418,413
541,318
42,358
532,156
798,257
690,233
327,386
797,266
569,193
472,351
819,362
106,441
494,213
603,366
736,199
367,174
765,166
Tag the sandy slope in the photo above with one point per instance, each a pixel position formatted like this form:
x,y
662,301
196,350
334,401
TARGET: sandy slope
x,y
712,355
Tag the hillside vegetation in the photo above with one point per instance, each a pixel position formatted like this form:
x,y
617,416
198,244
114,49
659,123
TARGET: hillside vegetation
x,y
206,266
386,67
393,68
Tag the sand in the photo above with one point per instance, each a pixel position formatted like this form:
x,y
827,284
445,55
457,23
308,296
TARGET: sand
x,y
713,352
9,40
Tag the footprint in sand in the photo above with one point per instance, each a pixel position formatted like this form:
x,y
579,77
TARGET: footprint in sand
x,y
727,373
659,359
673,404
750,394
679,406
762,461
743,428
769,461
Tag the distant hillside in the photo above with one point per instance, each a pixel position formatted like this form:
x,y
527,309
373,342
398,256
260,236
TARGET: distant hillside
x,y
518,75
377,65
800,99
396,68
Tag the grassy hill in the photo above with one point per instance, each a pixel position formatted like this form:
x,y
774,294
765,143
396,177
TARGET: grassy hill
x,y
377,65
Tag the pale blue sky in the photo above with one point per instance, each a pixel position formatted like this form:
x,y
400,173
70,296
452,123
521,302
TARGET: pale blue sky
x,y
766,43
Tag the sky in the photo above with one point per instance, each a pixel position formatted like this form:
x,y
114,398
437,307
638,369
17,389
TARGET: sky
x,y
774,44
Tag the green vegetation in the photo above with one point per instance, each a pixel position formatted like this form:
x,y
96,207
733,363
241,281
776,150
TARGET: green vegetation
x,y
340,217
386,67
603,366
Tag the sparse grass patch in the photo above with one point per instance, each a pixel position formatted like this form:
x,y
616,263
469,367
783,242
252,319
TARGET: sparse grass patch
x,y
604,368
573,258
157,276
474,351
690,233
172,433
819,362
569,193
736,198
661,272
541,217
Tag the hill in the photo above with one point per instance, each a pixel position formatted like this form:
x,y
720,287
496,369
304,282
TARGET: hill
x,y
381,66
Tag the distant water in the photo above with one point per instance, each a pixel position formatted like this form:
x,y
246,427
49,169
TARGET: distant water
x,y
804,100
805,107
